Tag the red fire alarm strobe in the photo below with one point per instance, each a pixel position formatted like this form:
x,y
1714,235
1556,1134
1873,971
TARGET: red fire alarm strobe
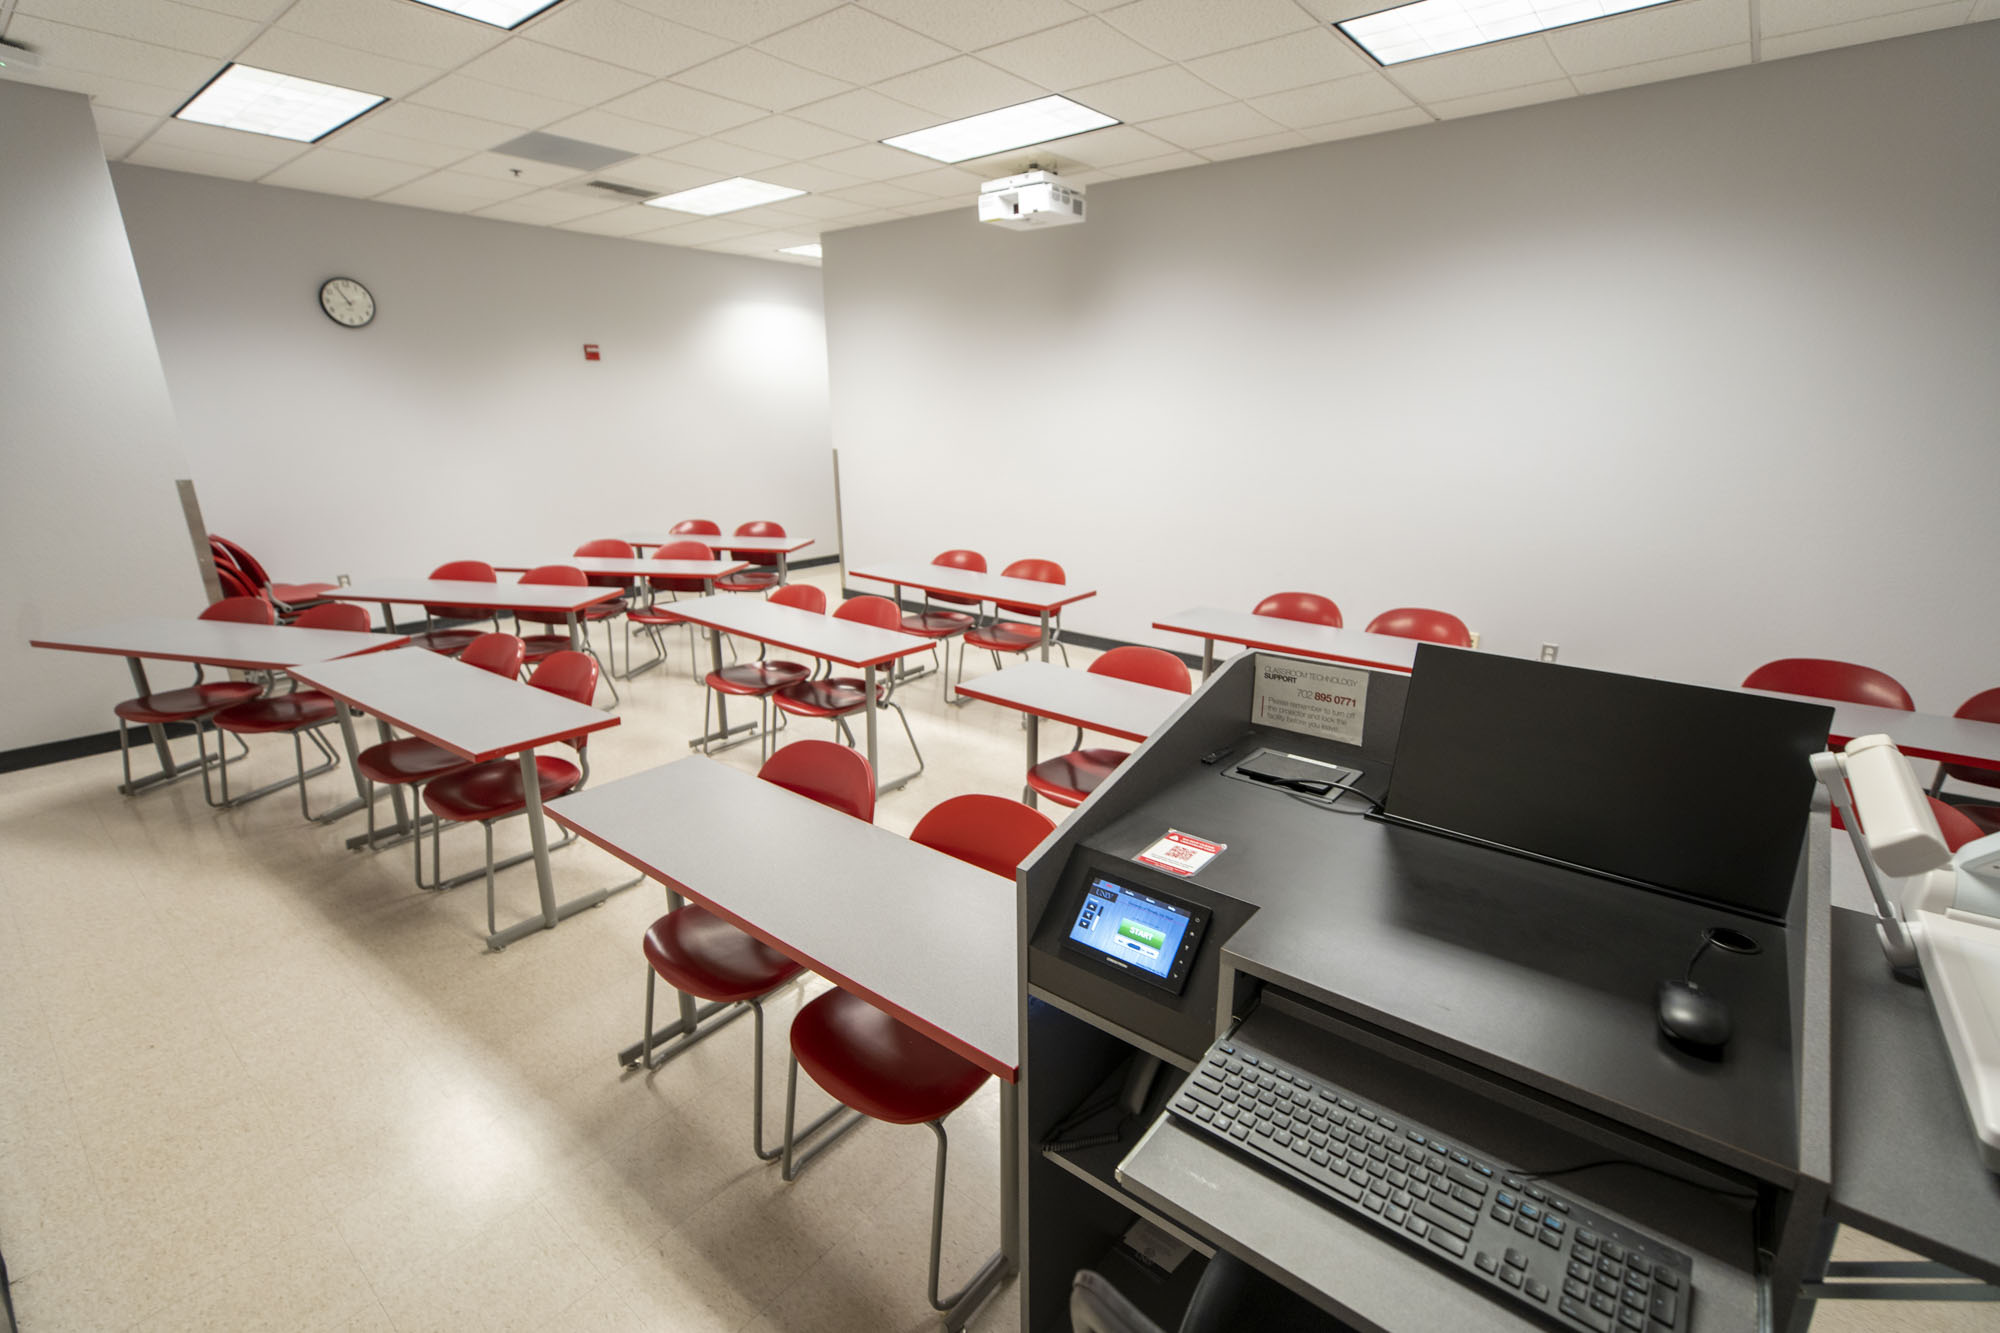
x,y
590,352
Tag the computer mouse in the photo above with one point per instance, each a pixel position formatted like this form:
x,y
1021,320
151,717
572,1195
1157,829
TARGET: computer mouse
x,y
1693,1016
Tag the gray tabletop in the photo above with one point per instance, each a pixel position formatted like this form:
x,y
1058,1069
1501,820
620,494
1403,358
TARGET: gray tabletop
x,y
1957,740
1384,651
630,568
460,592
760,545
964,583
847,642
923,935
223,643
473,713
1081,698
1905,1165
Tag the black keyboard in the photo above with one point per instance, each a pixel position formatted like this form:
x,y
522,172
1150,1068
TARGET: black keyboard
x,y
1518,1238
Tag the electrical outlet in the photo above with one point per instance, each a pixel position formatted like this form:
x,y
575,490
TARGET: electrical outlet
x,y
1475,639
1548,652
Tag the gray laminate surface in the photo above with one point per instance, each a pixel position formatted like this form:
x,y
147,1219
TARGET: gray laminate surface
x,y
1958,740
1295,636
1069,694
223,643
964,583
845,641
632,568
459,592
920,933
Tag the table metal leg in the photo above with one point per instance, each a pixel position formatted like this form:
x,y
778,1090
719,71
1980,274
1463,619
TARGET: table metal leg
x,y
403,829
1045,634
169,770
869,710
545,887
159,733
706,742
1034,754
1005,1264
1207,658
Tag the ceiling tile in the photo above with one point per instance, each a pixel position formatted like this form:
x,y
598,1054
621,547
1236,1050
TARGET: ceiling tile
x,y
310,58
1220,124
489,101
875,162
1263,143
165,23
120,94
968,25
807,176
1342,99
90,52
1109,147
416,33
1166,91
1778,17
616,222
867,114
364,138
430,125
1651,34
263,148
501,167
969,204
452,192
654,173
1652,71
1984,10
789,139
1087,51
1779,46
1453,108
1377,124
115,146
769,216
257,11
1166,162
331,171
549,72
615,131
547,207
189,159
721,160
944,181
682,108
1184,29
855,45
124,124
1485,69
738,20
959,87
880,195
1312,56
703,230
625,35
825,206
751,76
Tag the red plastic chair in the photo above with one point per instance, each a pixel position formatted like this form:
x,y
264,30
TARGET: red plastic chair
x,y
764,677
944,626
835,697
878,1066
1958,827
651,618
704,957
485,793
299,714
1416,622
290,596
1068,779
1981,707
696,527
411,759
1822,678
233,583
195,703
1309,607
452,642
753,580
1008,636
543,646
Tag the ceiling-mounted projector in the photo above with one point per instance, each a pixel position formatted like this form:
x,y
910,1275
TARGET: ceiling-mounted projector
x,y
1031,199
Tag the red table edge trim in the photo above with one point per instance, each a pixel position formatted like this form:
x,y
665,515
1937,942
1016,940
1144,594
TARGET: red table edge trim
x,y
972,693
1288,648
945,1039
603,721
960,592
728,567
228,664
920,645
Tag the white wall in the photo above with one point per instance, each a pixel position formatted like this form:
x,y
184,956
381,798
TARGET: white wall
x,y
1682,378
464,422
90,521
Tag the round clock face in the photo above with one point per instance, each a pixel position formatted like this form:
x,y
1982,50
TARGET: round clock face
x,y
346,302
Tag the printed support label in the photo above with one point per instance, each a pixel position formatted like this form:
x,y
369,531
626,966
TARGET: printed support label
x,y
1311,698
1180,853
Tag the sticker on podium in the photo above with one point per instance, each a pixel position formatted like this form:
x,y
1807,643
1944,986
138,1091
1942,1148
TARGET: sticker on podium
x,y
1311,698
1180,854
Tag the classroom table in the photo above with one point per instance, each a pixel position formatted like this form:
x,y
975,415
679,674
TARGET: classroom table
x,y
476,715
782,547
1122,708
923,936
1043,599
1951,740
1381,652
844,642
218,643
634,567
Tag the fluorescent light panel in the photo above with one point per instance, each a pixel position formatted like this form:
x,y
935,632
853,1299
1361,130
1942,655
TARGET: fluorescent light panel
x,y
262,101
807,251
1034,122
724,196
1433,27
499,13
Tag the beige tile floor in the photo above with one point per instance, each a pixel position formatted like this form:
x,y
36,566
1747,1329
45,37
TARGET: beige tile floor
x,y
251,1080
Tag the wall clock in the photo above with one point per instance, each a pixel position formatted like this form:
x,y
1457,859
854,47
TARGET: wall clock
x,y
346,302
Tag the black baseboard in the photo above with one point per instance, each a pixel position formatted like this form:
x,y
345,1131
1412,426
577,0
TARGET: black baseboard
x,y
1098,642
81,747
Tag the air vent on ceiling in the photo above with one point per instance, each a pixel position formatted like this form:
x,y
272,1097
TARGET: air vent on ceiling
x,y
560,152
629,191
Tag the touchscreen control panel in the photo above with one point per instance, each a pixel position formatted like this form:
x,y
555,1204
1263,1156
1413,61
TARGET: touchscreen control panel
x,y
1150,936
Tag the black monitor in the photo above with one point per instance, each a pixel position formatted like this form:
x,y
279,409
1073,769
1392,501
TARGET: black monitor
x,y
1695,791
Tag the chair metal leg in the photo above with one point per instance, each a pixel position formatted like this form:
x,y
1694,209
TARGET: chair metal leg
x,y
792,1163
962,1304
659,1045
